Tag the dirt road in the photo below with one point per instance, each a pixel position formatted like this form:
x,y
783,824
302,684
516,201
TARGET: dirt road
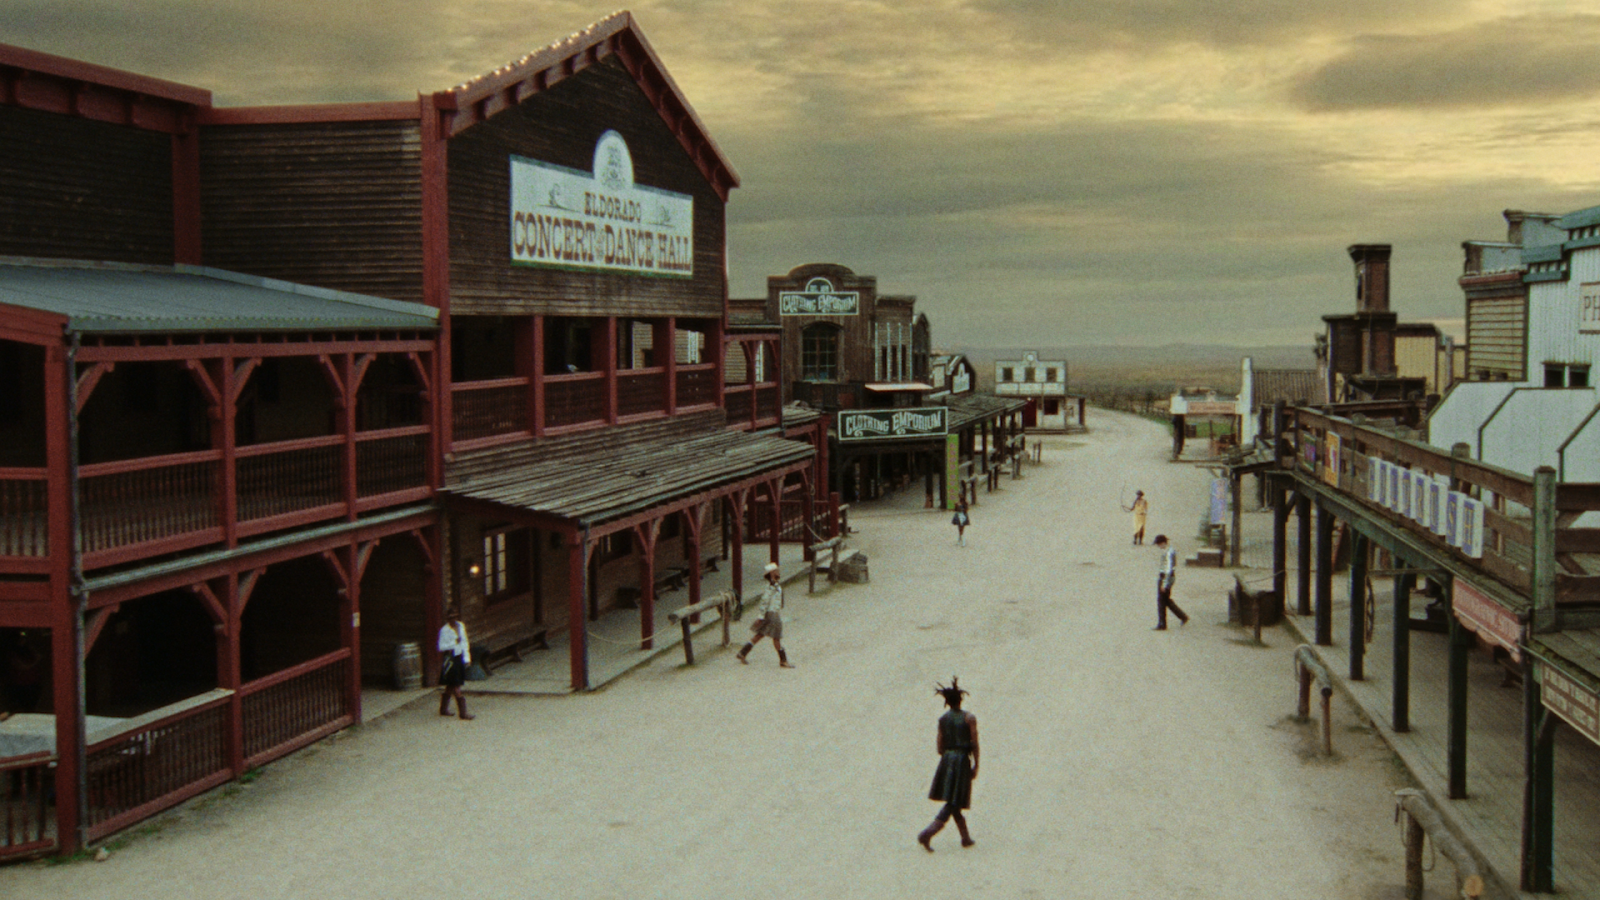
x,y
1117,761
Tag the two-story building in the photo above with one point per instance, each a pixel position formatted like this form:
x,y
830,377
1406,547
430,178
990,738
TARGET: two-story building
x,y
1043,384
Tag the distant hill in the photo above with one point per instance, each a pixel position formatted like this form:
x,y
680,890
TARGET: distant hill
x,y
1102,371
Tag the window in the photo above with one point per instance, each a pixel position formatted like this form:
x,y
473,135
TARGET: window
x,y
1052,407
1027,374
1050,375
1577,376
505,563
567,345
819,353
1555,375
1007,374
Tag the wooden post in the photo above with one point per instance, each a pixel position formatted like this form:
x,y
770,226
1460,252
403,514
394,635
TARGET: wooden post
x,y
1324,613
1401,716
1456,741
1543,576
647,532
694,521
577,590
1358,605
1235,482
1280,541
1413,840
775,489
688,641
1538,790
1303,552
736,504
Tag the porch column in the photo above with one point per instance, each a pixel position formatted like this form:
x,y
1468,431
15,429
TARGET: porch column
x,y
1456,740
1324,577
736,504
1235,484
694,521
577,592
647,532
608,365
1280,540
1303,553
66,605
808,508
775,488
536,407
1360,546
1538,791
1401,717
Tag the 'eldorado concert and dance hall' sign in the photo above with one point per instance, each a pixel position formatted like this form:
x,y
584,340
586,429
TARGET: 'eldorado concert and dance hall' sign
x,y
885,424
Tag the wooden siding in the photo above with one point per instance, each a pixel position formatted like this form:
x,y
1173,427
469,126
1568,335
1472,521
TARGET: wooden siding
x,y
332,204
1497,329
561,126
856,346
464,467
77,189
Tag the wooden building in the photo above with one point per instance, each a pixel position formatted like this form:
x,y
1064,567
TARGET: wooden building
x,y
862,359
951,374
328,369
1043,383
215,489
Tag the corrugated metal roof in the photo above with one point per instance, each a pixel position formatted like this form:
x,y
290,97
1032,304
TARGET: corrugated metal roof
x,y
633,478
113,297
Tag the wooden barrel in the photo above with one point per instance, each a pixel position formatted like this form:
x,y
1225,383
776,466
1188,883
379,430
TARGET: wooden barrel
x,y
407,666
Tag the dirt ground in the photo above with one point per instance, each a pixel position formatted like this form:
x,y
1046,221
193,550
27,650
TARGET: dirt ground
x,y
1117,761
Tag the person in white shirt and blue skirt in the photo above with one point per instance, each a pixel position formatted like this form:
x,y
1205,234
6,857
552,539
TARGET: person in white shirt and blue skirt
x,y
453,668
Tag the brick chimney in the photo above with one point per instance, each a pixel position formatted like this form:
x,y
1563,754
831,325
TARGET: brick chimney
x,y
1372,277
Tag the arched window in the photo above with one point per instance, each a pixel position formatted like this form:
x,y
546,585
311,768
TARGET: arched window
x,y
819,353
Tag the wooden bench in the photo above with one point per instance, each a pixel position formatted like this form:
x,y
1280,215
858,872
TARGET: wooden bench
x,y
507,646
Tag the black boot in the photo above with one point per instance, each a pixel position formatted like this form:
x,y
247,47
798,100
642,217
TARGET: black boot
x,y
444,703
961,826
743,652
461,708
783,660
927,834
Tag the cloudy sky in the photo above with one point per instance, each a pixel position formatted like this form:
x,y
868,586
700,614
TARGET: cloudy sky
x,y
1036,172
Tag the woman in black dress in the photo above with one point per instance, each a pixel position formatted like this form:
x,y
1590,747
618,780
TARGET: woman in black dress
x,y
958,766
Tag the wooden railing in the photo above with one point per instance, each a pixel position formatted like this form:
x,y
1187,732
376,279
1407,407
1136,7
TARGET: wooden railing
x,y
23,506
768,402
641,391
156,764
488,408
792,521
698,385
390,461
290,476
27,819
301,704
574,399
143,500
1345,462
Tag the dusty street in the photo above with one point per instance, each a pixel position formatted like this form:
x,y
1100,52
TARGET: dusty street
x,y
1117,761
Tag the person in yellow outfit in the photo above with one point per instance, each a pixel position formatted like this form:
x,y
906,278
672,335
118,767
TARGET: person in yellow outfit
x,y
1141,511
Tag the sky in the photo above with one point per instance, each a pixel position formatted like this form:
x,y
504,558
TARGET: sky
x,y
1048,173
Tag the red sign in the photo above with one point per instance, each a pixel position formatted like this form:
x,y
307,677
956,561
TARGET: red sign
x,y
1571,701
1488,618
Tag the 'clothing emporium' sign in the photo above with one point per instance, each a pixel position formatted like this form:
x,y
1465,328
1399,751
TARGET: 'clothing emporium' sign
x,y
569,219
883,424
819,299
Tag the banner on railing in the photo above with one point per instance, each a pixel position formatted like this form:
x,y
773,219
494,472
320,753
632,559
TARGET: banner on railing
x,y
1464,524
1419,497
1438,493
1486,617
1330,472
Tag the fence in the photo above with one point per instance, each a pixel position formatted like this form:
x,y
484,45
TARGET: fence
x,y
23,498
295,707
27,821
154,765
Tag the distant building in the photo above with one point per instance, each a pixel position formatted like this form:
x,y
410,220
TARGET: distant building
x,y
1043,383
951,374
1260,389
1497,294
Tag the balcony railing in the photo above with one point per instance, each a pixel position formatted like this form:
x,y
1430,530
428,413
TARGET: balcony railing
x,y
23,498
698,385
641,391
574,399
140,501
489,408
290,476
1341,454
27,815
292,708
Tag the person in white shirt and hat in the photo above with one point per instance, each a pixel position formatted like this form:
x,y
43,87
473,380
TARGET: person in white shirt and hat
x,y
770,622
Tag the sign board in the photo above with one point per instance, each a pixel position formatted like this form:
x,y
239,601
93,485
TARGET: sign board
x,y
1330,472
1438,491
570,219
1211,408
1419,497
1589,309
1573,702
891,424
819,299
1486,617
1378,481
1464,524
961,382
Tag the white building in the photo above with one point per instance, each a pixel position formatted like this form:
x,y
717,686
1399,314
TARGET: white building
x,y
1547,412
1044,384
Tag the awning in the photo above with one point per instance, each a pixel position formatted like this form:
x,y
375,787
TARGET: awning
x,y
592,489
888,386
968,409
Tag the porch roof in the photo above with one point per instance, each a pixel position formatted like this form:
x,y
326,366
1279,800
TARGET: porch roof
x,y
115,297
968,409
610,484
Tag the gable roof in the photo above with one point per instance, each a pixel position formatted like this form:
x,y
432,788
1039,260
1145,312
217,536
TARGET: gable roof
x,y
617,35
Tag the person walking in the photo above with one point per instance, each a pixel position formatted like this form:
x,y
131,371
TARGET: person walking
x,y
961,520
453,669
770,622
1166,575
957,743
1141,511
